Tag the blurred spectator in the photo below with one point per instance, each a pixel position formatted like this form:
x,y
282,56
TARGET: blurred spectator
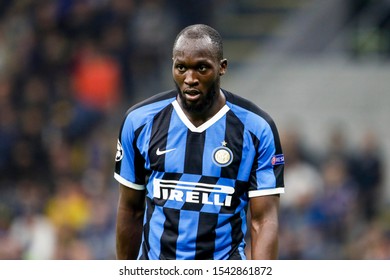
x,y
99,233
96,85
35,235
368,171
8,125
335,211
304,183
96,78
338,146
68,207
301,175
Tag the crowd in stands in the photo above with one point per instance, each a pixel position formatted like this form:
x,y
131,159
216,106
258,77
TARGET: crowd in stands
x,y
69,70
336,206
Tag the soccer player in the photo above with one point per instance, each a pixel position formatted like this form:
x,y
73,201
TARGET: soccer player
x,y
191,161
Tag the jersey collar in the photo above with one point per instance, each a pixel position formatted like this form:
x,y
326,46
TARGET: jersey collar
x,y
205,125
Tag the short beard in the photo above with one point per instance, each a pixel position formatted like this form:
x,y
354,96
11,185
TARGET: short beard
x,y
202,106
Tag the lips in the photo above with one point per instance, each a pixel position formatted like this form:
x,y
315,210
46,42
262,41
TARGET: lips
x,y
192,94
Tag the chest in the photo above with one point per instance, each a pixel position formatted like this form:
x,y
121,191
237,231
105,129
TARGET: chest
x,y
168,144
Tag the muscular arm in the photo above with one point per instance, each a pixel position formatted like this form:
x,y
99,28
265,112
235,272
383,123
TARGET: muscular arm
x,y
129,222
264,226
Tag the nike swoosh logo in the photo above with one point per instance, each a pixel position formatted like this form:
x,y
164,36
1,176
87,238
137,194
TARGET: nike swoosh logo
x,y
159,153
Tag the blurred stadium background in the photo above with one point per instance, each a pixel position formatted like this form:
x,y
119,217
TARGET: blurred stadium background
x,y
70,69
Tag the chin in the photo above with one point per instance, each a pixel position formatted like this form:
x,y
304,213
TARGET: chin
x,y
200,105
193,107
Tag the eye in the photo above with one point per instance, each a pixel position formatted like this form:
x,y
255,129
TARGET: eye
x,y
202,68
180,68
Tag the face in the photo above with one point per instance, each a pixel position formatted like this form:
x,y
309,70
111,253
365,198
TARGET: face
x,y
196,71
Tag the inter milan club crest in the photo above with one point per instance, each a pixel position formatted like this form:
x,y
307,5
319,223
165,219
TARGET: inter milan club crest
x,y
222,156
119,151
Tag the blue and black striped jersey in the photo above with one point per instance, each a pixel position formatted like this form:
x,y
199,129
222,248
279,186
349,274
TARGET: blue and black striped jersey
x,y
198,180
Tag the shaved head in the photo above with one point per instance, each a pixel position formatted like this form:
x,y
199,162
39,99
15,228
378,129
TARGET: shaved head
x,y
202,31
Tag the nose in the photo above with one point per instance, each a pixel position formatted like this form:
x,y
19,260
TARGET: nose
x,y
191,78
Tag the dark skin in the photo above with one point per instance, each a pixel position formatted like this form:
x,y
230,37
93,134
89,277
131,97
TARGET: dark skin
x,y
130,214
196,70
264,227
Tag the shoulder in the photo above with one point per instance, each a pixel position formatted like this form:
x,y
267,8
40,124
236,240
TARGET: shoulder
x,y
246,110
142,112
157,100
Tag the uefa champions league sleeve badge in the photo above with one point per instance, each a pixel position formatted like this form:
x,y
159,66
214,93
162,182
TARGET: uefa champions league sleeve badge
x,y
119,151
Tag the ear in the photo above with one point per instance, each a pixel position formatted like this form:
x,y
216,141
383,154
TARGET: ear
x,y
223,66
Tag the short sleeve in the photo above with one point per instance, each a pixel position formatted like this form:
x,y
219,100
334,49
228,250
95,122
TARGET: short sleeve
x,y
127,159
267,173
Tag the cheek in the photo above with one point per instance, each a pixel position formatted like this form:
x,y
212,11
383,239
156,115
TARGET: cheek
x,y
177,78
211,80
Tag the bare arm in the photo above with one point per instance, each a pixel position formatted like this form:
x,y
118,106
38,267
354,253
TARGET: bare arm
x,y
129,222
264,227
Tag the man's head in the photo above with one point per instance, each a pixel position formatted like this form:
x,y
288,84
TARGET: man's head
x,y
197,66
200,31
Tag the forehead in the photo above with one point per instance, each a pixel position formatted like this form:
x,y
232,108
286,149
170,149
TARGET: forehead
x,y
199,47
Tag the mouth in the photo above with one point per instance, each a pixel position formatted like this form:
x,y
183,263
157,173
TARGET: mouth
x,y
191,91
192,94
